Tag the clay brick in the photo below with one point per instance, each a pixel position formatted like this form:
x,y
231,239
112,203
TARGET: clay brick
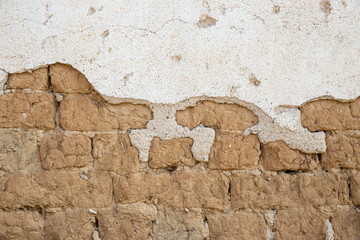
x,y
300,223
21,225
60,151
114,152
55,189
174,225
355,188
37,80
355,107
343,150
182,189
237,225
234,151
346,224
27,110
18,150
221,116
277,156
328,115
92,113
286,190
66,79
171,153
128,221
74,223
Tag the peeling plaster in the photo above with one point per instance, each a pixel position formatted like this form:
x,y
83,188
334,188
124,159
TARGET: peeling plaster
x,y
267,54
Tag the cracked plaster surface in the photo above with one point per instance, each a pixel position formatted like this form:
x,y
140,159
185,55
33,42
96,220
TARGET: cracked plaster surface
x,y
266,53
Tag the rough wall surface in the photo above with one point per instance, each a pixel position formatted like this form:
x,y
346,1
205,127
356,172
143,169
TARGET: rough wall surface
x,y
74,166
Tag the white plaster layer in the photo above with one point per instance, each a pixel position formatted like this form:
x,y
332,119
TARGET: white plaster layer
x,y
269,53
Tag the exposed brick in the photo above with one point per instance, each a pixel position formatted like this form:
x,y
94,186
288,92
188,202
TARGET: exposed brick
x,y
37,80
66,79
18,150
175,225
128,221
343,150
237,225
114,152
234,151
221,116
284,190
328,115
182,189
300,223
171,153
21,225
27,110
55,189
92,113
355,107
277,156
73,223
60,151
346,224
355,187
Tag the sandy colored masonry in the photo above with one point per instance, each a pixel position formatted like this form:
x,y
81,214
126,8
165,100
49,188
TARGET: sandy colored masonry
x,y
70,166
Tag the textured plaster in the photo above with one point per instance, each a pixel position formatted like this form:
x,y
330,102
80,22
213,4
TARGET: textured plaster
x,y
267,54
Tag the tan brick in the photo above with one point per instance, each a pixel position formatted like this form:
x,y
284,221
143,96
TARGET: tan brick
x,y
66,79
343,150
171,153
27,110
284,190
128,221
18,150
55,189
37,80
300,224
355,107
355,188
21,225
92,113
173,225
114,152
182,189
346,224
328,115
234,151
237,225
60,151
221,116
71,223
277,156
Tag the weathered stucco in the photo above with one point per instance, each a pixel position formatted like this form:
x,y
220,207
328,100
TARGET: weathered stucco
x,y
266,54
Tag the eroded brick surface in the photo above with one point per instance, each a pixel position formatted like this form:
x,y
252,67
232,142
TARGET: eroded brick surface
x,y
75,223
328,115
60,151
277,156
55,189
234,151
128,221
21,225
237,225
65,79
221,116
171,153
182,189
286,190
300,223
346,222
355,107
355,187
37,80
27,110
343,150
114,152
92,113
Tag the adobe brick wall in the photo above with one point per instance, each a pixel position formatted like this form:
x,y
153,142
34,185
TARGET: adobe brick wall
x,y
69,168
